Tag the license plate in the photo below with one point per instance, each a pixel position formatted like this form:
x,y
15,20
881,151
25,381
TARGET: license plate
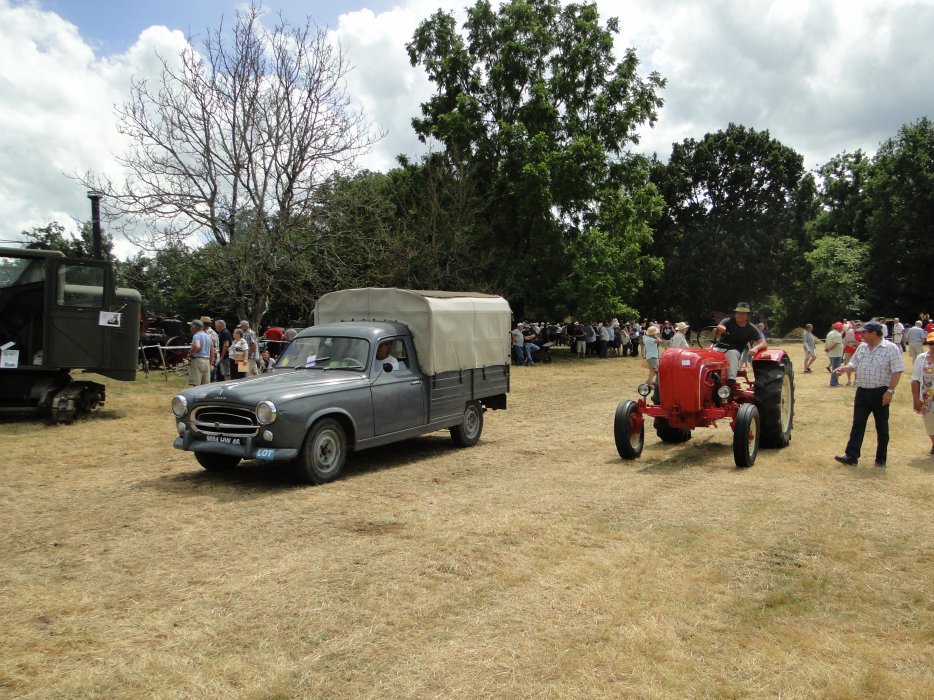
x,y
222,438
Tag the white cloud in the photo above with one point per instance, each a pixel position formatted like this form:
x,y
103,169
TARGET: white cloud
x,y
821,77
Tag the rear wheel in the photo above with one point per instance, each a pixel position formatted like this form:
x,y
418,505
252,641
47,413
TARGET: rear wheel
x,y
214,462
324,452
668,434
746,435
775,399
628,430
467,434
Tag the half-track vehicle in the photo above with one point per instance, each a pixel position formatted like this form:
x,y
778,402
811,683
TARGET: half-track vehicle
x,y
692,391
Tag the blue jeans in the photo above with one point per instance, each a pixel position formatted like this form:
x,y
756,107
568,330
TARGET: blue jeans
x,y
834,363
529,349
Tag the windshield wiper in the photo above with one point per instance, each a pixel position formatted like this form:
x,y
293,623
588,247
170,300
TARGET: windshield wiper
x,y
316,365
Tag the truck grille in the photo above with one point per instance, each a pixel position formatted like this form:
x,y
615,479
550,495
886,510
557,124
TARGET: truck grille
x,y
229,421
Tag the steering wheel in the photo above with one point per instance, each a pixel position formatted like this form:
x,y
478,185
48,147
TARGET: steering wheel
x,y
353,363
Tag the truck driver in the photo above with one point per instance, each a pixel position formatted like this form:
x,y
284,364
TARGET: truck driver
x,y
383,356
737,334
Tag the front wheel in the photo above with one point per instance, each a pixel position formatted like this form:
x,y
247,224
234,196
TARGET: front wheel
x,y
214,462
467,434
628,430
746,435
324,452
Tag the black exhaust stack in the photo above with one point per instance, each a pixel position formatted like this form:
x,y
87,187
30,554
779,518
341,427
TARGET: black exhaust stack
x,y
96,236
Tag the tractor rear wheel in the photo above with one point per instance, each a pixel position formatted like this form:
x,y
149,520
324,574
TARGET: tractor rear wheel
x,y
775,399
746,435
629,440
668,434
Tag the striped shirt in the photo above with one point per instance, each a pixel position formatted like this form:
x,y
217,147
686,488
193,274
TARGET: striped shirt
x,y
875,366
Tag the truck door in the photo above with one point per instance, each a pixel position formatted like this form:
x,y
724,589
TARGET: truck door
x,y
399,396
79,313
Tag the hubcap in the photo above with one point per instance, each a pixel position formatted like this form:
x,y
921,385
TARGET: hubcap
x,y
635,436
471,421
751,445
327,451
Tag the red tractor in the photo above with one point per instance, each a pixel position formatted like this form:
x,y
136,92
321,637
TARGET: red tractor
x,y
692,391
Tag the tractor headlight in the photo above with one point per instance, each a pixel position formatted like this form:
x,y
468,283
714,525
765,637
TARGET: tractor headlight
x,y
644,390
179,405
724,391
266,412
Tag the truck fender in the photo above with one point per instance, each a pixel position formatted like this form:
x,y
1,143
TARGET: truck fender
x,y
350,427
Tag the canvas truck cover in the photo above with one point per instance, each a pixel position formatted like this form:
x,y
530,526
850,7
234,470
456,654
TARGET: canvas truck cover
x,y
451,330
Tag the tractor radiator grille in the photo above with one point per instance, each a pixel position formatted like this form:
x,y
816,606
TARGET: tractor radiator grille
x,y
227,421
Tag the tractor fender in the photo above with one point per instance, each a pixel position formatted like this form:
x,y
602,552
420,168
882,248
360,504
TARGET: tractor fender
x,y
770,355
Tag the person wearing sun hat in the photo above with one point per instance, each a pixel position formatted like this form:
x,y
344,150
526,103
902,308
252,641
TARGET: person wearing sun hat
x,y
738,335
679,339
650,344
922,387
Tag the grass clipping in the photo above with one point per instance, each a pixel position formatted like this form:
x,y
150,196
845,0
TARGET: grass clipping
x,y
536,564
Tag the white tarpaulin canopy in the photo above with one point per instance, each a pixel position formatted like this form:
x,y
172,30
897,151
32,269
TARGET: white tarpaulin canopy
x,y
452,330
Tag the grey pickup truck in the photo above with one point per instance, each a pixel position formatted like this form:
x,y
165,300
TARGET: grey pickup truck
x,y
378,366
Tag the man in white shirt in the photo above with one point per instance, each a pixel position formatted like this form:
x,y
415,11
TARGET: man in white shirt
x,y
383,357
878,366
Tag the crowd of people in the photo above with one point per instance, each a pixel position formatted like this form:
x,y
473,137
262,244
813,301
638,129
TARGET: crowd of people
x,y
599,339
217,354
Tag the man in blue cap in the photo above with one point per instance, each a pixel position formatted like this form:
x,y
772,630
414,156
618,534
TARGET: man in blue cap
x,y
878,365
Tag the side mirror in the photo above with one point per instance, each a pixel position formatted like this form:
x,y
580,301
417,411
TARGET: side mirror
x,y
387,367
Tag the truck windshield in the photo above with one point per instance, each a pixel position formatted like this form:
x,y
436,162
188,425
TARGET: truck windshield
x,y
325,352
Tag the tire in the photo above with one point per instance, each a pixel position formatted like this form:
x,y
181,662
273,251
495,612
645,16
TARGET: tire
x,y
214,462
746,435
324,453
629,442
467,434
775,399
668,434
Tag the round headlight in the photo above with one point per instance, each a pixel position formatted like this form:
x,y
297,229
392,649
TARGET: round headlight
x,y
724,392
179,405
266,412
644,390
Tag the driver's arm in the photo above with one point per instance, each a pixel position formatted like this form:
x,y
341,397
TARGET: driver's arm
x,y
718,330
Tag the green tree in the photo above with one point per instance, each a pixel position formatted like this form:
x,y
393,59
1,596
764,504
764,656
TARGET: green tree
x,y
531,99
901,222
835,286
54,236
737,203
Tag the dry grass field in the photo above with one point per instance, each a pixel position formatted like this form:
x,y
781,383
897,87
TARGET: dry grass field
x,y
536,564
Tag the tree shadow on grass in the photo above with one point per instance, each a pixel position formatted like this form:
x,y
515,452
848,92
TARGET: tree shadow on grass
x,y
256,479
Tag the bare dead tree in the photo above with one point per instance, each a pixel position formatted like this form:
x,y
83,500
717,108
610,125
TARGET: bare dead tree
x,y
231,145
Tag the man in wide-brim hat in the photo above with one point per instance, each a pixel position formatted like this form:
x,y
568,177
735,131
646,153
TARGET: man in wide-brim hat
x,y
679,339
738,335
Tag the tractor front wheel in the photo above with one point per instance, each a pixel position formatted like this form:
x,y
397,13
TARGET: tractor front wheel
x,y
746,435
628,430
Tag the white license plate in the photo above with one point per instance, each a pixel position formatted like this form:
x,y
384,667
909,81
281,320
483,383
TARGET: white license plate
x,y
222,438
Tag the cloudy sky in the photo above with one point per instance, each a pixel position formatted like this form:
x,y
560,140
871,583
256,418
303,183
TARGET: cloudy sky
x,y
823,76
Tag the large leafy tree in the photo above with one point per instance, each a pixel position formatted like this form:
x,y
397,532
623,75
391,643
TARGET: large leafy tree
x,y
231,146
737,203
901,223
532,100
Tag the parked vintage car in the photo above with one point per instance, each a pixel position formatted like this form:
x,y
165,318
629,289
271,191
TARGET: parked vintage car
x,y
330,394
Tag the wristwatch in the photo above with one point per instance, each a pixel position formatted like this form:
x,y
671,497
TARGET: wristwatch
x,y
890,391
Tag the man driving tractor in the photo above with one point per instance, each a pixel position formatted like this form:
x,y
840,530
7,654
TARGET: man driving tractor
x,y
738,335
